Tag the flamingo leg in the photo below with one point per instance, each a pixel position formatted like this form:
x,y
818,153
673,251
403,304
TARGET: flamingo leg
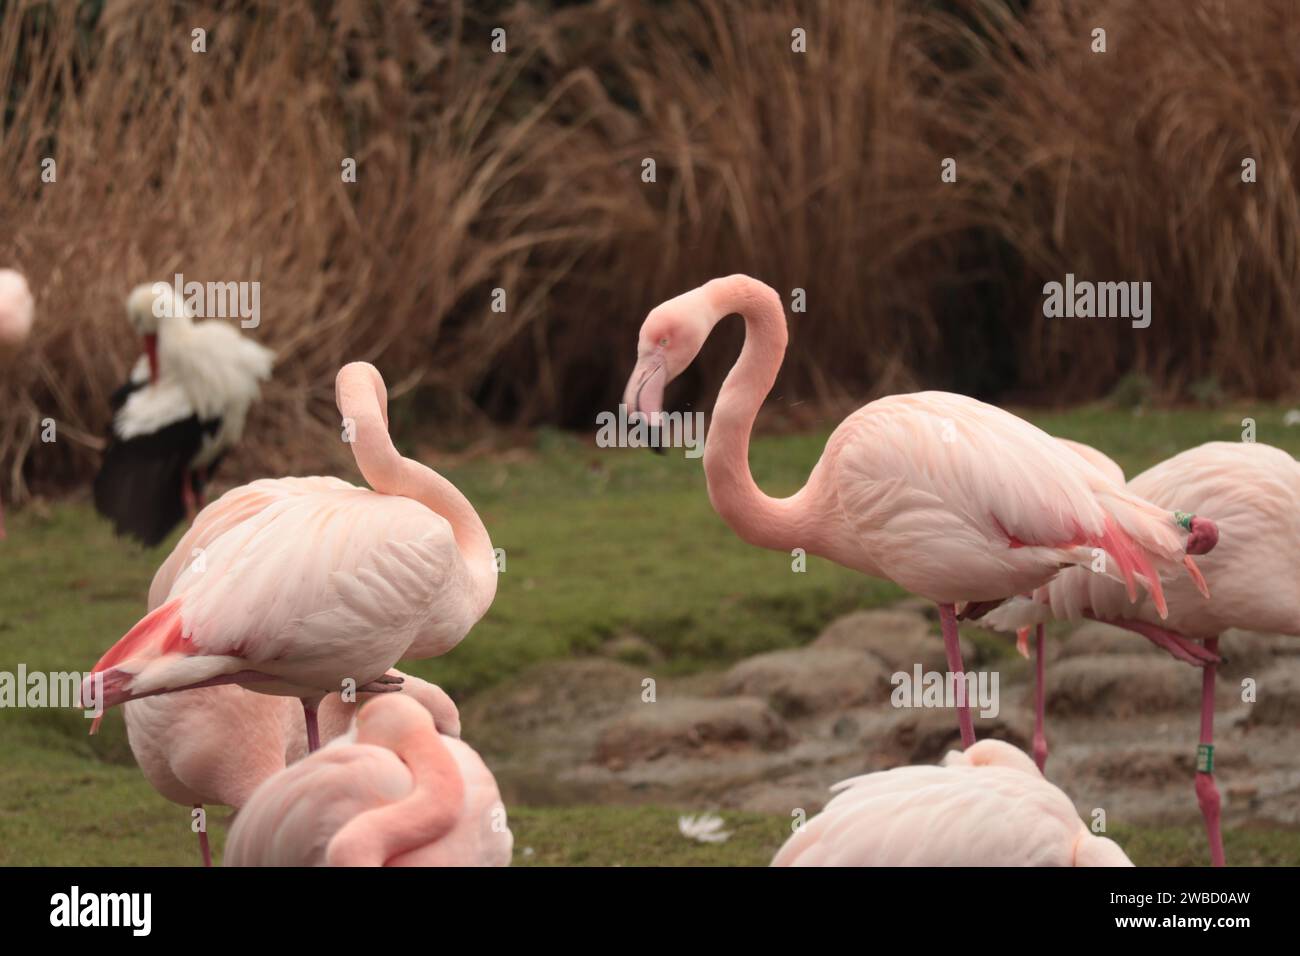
x,y
952,647
1040,693
2,521
313,731
1207,794
1187,651
204,848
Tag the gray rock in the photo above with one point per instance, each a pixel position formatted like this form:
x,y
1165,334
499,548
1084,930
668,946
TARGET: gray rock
x,y
690,727
1277,698
899,638
1122,685
543,700
925,735
631,649
1247,654
810,680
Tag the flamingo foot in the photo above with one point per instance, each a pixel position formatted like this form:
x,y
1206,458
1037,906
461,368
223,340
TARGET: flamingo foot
x,y
388,684
1202,536
1040,698
204,848
952,647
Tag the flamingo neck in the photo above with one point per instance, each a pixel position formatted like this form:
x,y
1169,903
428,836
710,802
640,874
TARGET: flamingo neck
x,y
426,814
762,521
363,404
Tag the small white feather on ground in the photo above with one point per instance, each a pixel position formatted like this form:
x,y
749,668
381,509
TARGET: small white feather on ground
x,y
706,828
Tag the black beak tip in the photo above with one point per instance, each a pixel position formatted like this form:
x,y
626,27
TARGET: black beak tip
x,y
658,449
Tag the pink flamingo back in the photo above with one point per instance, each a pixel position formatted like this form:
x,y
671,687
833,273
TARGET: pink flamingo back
x,y
391,793
986,806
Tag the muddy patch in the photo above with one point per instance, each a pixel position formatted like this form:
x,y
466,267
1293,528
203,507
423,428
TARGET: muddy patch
x,y
773,732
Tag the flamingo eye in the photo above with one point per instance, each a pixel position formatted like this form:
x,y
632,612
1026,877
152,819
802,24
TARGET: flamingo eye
x,y
664,340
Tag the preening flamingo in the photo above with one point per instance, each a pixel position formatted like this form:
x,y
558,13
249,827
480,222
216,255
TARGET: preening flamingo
x,y
985,806
953,499
181,410
215,745
1115,474
17,309
1253,490
392,793
305,583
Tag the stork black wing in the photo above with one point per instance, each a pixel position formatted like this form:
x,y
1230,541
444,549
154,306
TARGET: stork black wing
x,y
138,487
123,392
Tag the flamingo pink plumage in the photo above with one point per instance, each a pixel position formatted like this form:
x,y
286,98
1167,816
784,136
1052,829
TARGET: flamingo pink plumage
x,y
1104,464
951,498
1253,490
393,793
294,586
17,309
986,806
215,745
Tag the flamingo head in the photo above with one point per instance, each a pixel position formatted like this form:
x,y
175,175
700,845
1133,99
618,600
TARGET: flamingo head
x,y
389,719
671,336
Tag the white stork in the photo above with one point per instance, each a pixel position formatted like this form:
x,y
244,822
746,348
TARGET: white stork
x,y
182,408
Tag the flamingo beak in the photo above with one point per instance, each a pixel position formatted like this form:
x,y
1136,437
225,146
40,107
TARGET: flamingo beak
x,y
644,395
151,350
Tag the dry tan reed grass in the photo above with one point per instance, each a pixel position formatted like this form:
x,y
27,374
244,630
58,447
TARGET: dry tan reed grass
x,y
816,171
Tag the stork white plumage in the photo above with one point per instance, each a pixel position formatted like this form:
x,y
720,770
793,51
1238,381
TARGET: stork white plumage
x,y
183,407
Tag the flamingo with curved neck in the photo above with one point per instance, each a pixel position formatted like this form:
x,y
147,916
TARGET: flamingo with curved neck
x,y
311,585
953,499
392,793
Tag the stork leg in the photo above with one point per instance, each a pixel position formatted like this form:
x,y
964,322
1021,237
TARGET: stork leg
x,y
952,647
1207,794
204,848
313,731
187,496
1040,693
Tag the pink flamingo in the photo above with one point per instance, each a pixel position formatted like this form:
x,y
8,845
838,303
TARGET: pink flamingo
x,y
393,793
1115,474
986,806
17,309
951,498
215,745
1254,492
308,583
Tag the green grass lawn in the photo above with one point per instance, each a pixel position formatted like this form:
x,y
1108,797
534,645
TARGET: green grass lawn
x,y
598,542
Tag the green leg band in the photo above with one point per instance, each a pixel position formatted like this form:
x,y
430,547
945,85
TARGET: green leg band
x,y
1205,758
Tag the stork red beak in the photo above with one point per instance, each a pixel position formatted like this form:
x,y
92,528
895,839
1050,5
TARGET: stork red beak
x,y
151,350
